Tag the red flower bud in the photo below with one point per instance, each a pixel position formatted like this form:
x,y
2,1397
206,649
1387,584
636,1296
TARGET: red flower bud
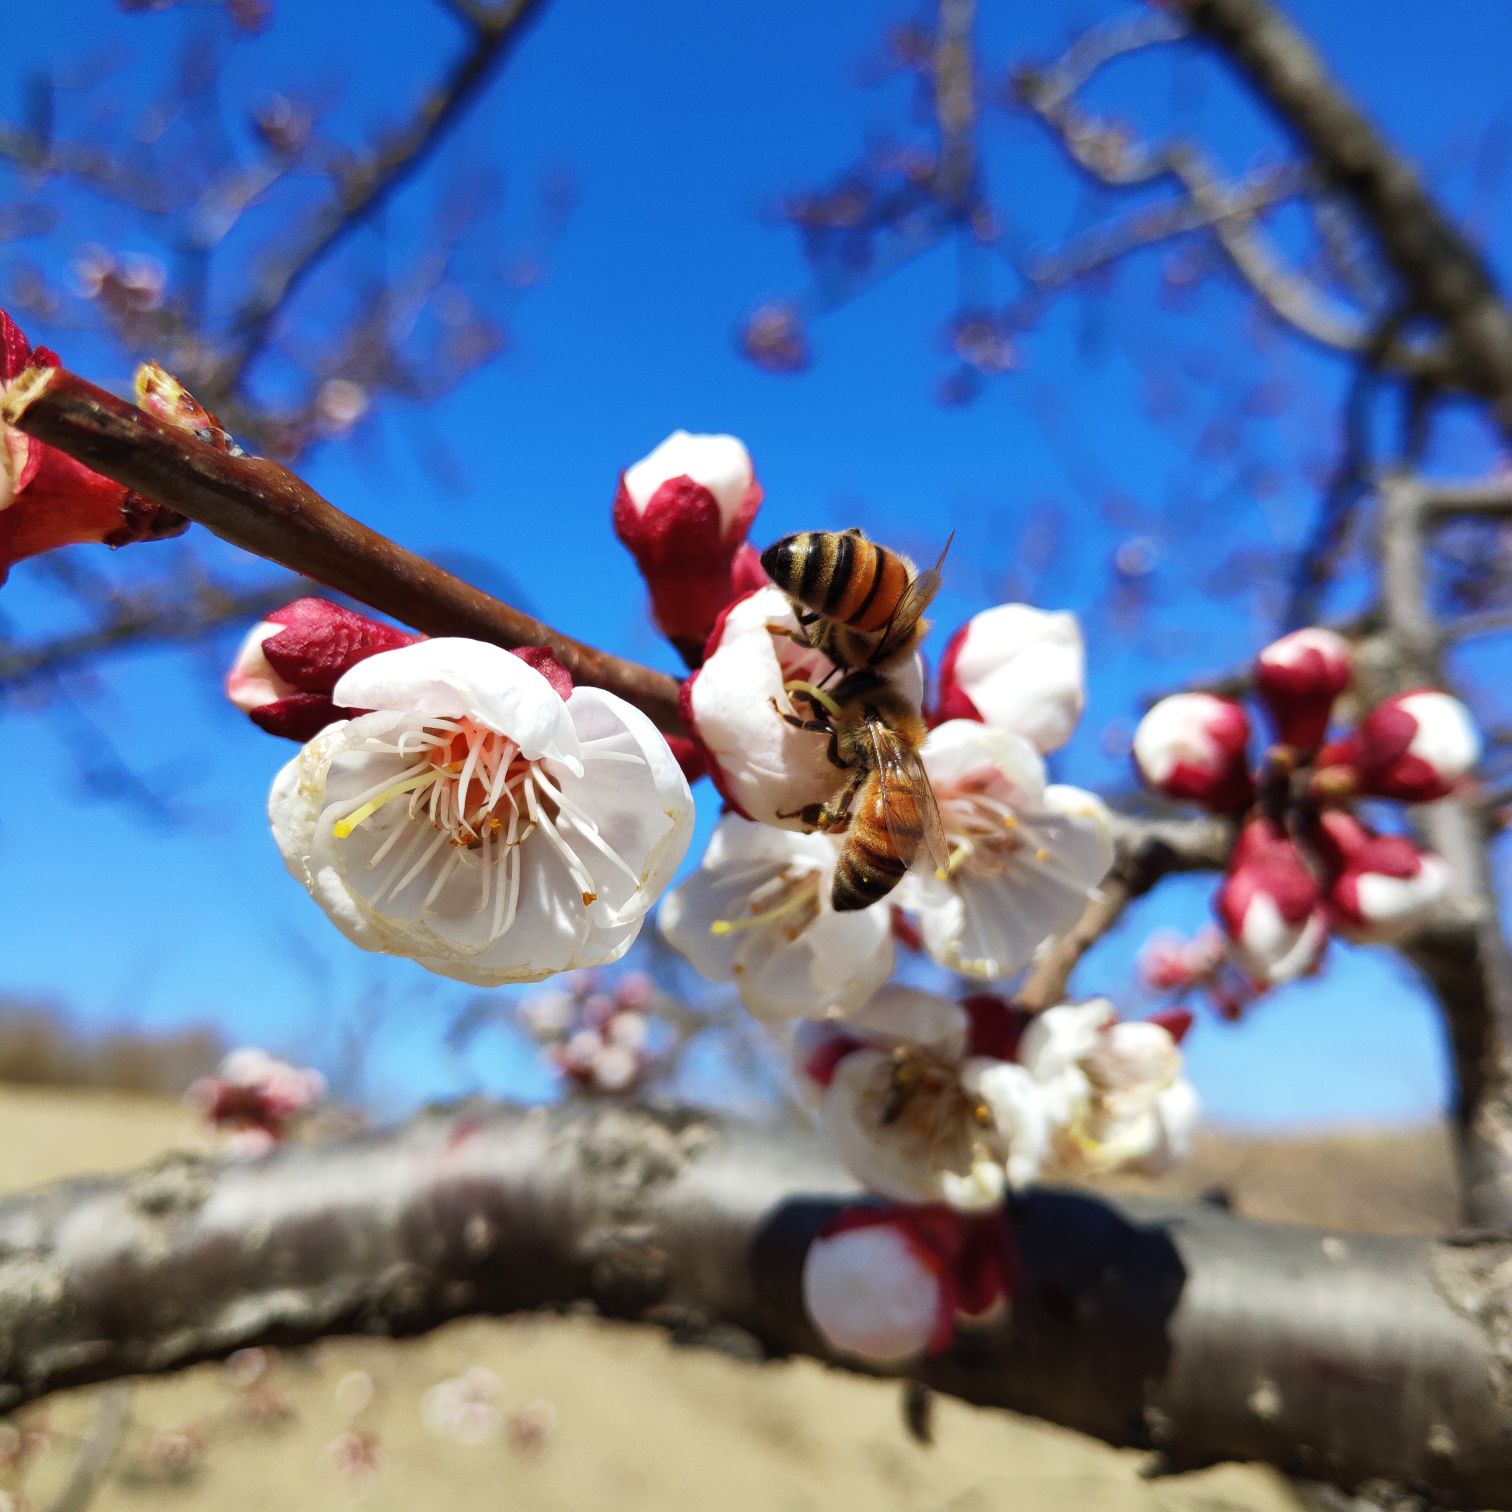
x,y
1270,905
1415,747
1299,677
1192,746
47,499
683,511
1384,885
283,674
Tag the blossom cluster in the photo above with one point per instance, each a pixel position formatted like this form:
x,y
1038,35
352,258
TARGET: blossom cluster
x,y
1306,864
596,1033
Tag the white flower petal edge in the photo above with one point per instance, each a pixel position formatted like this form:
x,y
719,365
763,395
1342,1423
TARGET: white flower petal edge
x,y
429,829
757,913
1024,670
1025,858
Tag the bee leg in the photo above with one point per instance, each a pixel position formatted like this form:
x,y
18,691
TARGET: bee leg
x,y
818,726
834,750
791,634
815,815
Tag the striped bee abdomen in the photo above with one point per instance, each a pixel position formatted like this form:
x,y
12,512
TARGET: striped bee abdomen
x,y
839,574
884,837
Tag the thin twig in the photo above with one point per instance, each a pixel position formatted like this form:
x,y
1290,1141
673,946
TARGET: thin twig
x,y
366,187
96,1452
263,508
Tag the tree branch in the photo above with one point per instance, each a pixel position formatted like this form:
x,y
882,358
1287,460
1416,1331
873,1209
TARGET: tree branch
x,y
1442,274
1466,957
145,620
1166,1326
263,508
1148,849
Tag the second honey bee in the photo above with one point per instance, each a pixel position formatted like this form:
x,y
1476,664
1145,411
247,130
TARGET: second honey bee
x,y
860,603
887,809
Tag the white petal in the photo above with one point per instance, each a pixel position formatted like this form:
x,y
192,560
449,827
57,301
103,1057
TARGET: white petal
x,y
962,752
720,463
908,1015
1021,1135
870,1294
1024,669
1060,1038
642,808
451,678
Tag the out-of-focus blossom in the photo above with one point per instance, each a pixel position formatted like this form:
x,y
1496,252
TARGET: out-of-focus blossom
x,y
757,912
765,768
684,511
1270,905
887,1285
875,1290
1018,668
921,1103
353,1457
529,1429
1024,856
340,404
48,500
1300,677
1416,747
775,338
256,1098
286,668
1115,1090
467,1408
482,819
1383,886
1192,745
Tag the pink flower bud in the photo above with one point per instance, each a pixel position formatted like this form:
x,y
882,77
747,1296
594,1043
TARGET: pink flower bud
x,y
1415,747
283,674
1270,905
1299,677
1192,745
1385,885
876,1290
1018,668
683,512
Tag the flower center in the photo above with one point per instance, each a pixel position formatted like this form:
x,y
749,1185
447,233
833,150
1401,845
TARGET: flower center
x,y
985,832
923,1099
468,791
790,899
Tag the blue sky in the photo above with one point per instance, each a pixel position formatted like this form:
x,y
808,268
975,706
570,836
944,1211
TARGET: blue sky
x,y
680,125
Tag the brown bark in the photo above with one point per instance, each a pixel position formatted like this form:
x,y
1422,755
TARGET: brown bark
x,y
263,508
1177,1328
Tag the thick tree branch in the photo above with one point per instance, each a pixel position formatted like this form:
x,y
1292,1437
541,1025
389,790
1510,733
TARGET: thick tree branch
x,y
263,508
1466,957
1441,273
1173,1327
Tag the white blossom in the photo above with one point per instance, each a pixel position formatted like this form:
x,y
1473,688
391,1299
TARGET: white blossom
x,y
757,913
1024,856
479,822
912,1113
1019,668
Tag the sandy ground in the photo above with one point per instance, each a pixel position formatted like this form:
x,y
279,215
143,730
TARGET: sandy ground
x,y
635,1423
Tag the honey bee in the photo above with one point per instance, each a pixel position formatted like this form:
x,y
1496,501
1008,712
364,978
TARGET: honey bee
x,y
887,807
858,602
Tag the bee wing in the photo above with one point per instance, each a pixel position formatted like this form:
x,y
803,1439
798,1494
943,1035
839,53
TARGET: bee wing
x,y
911,606
899,767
